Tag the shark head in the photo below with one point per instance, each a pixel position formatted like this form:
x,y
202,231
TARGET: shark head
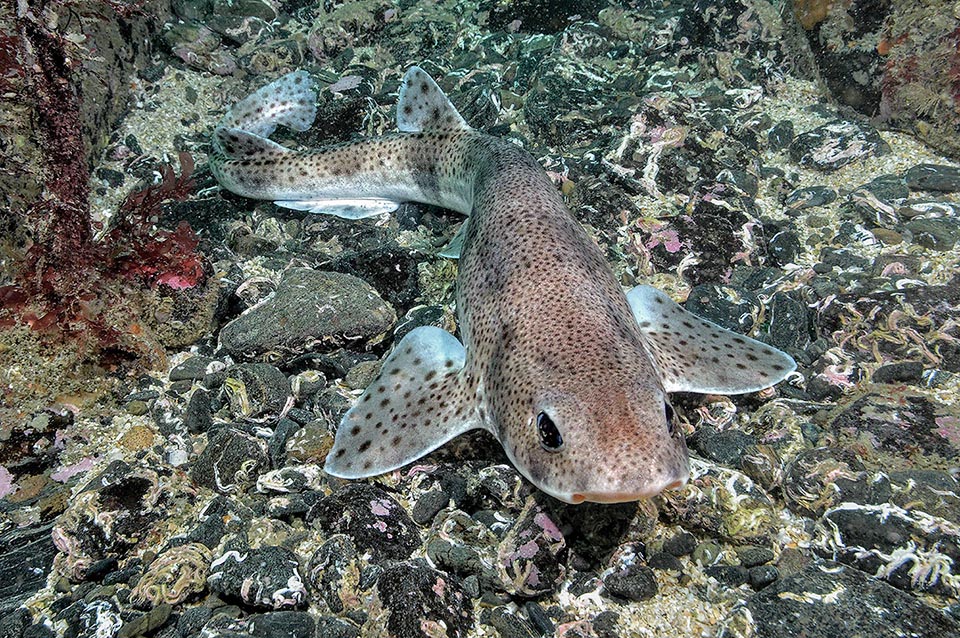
x,y
607,436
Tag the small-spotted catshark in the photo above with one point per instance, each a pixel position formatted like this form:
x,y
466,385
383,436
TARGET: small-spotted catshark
x,y
570,374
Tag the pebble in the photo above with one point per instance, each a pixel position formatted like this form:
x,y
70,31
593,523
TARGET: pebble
x,y
420,598
729,575
900,372
373,519
231,462
761,576
753,556
539,620
780,136
706,553
725,447
783,248
191,369
804,198
634,582
531,556
198,415
428,506
827,599
836,144
509,625
309,307
664,562
256,390
680,544
933,177
263,577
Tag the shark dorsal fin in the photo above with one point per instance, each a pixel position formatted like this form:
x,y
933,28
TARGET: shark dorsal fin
x,y
423,106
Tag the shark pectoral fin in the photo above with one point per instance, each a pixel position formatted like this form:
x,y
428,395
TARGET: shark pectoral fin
x,y
455,245
695,355
345,208
238,144
423,106
418,403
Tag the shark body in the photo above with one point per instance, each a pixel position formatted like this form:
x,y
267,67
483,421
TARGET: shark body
x,y
570,374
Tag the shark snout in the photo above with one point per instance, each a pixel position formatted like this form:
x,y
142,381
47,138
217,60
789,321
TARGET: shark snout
x,y
636,492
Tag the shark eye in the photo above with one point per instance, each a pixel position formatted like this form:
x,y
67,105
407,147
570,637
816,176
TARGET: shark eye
x,y
668,412
550,437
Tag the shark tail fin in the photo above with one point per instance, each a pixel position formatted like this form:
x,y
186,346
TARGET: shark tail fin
x,y
289,101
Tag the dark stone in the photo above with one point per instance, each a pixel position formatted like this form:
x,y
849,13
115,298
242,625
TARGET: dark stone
x,y
780,136
113,178
26,556
192,369
935,233
783,248
263,577
533,552
934,303
635,582
715,230
762,575
509,625
264,390
808,489
290,506
836,144
923,490
680,544
328,627
827,599
730,575
371,518
752,556
416,594
224,465
662,561
218,517
192,620
428,506
713,304
282,624
724,447
309,307
13,623
327,568
606,624
900,372
148,623
198,415
933,177
895,423
812,197
277,447
789,327
539,620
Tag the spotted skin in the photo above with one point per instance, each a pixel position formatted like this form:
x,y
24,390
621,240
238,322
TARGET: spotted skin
x,y
568,373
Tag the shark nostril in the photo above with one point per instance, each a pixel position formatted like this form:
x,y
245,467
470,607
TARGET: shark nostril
x,y
669,414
